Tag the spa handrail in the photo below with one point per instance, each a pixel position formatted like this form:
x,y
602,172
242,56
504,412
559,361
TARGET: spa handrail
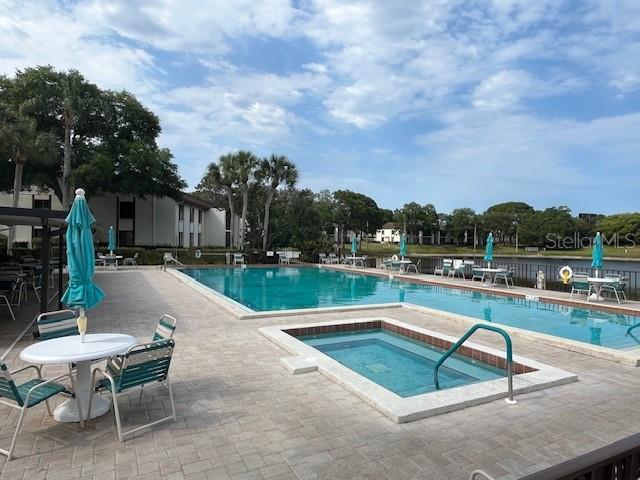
x,y
458,344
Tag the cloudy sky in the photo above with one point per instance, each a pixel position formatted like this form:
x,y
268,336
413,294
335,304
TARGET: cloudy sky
x,y
457,103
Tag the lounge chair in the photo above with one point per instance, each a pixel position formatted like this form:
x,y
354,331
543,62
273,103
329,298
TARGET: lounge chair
x,y
444,269
168,258
144,365
506,276
457,269
580,285
29,394
616,289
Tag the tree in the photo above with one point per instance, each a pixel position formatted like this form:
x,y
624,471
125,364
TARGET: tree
x,y
355,211
20,141
219,180
416,218
503,218
274,172
461,222
100,134
296,219
244,165
626,226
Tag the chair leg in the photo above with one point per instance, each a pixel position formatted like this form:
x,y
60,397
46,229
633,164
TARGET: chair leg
x,y
23,411
4,297
173,404
48,405
116,412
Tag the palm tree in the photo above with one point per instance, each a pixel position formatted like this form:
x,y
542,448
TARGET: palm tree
x,y
275,172
244,165
219,180
19,137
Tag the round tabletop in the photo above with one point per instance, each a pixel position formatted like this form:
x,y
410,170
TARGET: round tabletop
x,y
70,349
602,280
492,270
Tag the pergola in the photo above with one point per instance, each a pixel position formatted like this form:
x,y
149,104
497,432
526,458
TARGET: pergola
x,y
52,223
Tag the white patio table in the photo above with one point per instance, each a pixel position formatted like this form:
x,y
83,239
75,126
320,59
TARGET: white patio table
x,y
68,350
354,260
596,283
401,264
112,258
491,273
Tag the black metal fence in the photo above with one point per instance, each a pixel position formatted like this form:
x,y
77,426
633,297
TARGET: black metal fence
x,y
617,461
525,273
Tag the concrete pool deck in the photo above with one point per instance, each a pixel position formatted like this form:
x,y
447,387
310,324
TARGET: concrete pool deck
x,y
241,415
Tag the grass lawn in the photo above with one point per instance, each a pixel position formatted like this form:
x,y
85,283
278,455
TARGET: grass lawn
x,y
376,248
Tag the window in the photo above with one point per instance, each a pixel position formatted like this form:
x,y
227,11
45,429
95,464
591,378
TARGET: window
x,y
127,210
227,220
180,212
227,239
191,240
199,239
199,216
42,203
125,239
181,239
191,214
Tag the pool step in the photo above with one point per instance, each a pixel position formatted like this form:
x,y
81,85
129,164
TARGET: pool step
x,y
299,365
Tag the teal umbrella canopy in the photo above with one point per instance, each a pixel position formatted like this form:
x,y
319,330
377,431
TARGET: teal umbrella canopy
x,y
403,245
354,244
488,251
596,253
112,238
81,292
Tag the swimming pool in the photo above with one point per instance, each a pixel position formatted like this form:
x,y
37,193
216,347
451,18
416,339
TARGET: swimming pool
x,y
284,288
398,364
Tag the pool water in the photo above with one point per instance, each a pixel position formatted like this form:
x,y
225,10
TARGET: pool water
x,y
399,364
284,288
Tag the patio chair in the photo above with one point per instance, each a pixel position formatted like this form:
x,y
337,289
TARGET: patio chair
x,y
580,285
165,329
133,261
444,269
29,394
101,261
506,276
333,258
457,269
142,366
8,288
413,266
238,258
477,273
616,289
61,323
322,258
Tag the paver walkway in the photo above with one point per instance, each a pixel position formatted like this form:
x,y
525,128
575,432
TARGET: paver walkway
x,y
241,416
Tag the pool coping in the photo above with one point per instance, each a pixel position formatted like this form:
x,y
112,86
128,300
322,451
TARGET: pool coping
x,y
399,409
626,357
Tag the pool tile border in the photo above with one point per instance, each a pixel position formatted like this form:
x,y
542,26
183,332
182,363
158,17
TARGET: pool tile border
x,y
401,410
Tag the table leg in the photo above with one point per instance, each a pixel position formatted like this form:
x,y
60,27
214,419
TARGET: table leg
x,y
67,411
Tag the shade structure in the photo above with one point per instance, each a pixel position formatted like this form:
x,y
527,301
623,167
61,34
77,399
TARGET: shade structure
x,y
112,239
403,245
354,244
81,292
488,250
597,253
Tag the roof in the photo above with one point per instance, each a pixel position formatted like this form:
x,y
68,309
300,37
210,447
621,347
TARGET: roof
x,y
389,226
31,216
197,201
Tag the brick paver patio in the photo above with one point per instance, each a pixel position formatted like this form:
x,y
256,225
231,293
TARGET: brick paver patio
x,y
242,416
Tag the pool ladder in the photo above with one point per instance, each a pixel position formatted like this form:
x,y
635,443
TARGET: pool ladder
x,y
458,344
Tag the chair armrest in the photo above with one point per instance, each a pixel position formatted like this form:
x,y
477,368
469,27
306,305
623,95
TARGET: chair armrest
x,y
40,385
35,367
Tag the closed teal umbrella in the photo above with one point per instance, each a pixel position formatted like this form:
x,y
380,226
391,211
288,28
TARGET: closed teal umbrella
x,y
596,254
488,250
81,293
354,245
112,239
403,245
